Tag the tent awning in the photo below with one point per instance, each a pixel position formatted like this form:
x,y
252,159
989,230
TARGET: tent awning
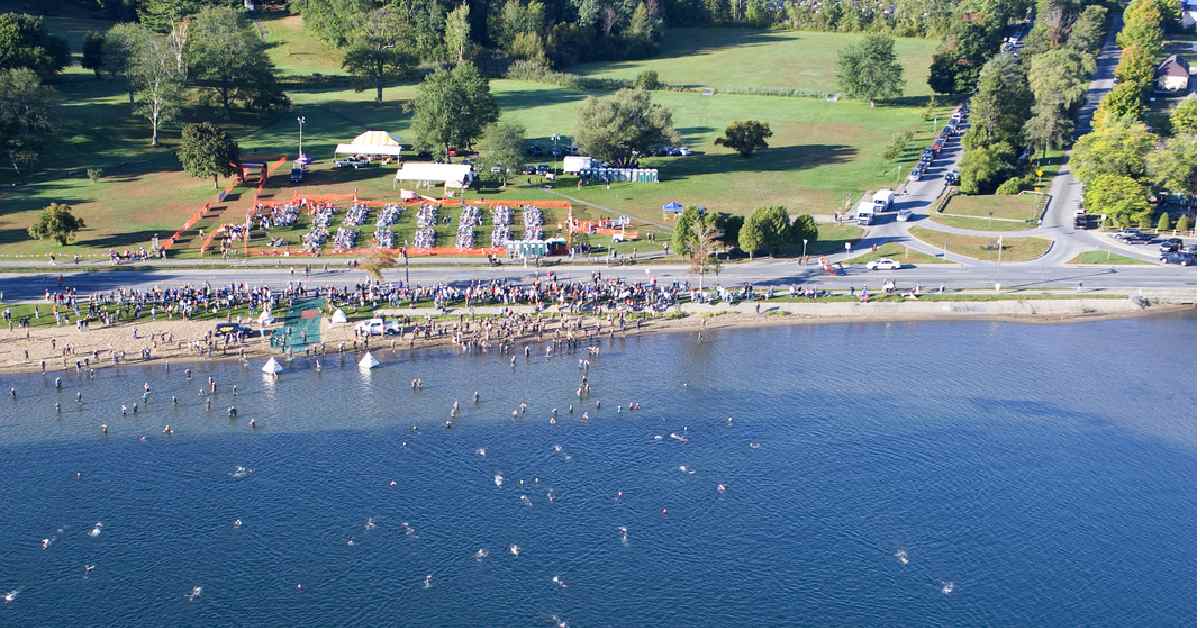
x,y
367,149
452,175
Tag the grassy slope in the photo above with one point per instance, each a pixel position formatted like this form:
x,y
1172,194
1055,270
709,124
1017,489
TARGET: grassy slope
x,y
981,224
822,153
744,58
1015,249
898,252
1106,258
1012,206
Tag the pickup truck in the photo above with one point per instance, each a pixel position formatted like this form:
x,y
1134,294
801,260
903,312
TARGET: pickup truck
x,y
378,327
353,162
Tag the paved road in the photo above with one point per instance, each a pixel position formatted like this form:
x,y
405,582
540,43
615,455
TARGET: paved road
x,y
20,287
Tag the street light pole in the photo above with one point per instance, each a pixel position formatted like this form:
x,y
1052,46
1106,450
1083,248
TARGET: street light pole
x,y
805,256
301,120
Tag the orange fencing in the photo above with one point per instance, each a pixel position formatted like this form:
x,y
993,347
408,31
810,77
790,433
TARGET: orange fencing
x,y
597,227
364,251
188,224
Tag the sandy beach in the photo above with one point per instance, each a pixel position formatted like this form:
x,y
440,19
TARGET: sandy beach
x,y
65,347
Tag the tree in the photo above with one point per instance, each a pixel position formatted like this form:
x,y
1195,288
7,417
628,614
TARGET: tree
x,y
161,15
868,69
1182,225
618,128
93,52
1119,148
25,43
56,223
207,151
1173,166
26,116
1001,104
334,20
1136,66
983,168
647,79
225,52
767,228
458,33
1058,80
1183,117
1143,27
704,246
746,137
1121,198
1164,222
1122,101
804,227
379,50
1087,32
159,86
503,147
729,226
752,237
956,65
380,261
120,47
683,233
452,108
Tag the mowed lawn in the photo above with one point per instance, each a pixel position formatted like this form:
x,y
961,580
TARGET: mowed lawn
x,y
822,155
736,58
1011,206
984,248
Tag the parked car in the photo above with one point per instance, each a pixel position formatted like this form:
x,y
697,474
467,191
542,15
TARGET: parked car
x,y
883,263
424,155
952,177
1178,257
353,162
1170,245
1128,234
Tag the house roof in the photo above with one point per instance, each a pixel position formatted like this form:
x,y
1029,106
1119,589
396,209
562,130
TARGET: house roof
x,y
1172,66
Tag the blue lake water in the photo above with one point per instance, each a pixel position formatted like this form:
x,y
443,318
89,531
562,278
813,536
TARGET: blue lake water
x,y
1046,471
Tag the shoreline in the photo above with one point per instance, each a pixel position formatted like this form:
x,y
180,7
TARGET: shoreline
x,y
181,341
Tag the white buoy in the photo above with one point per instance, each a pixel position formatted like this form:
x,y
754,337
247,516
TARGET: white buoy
x,y
368,361
272,367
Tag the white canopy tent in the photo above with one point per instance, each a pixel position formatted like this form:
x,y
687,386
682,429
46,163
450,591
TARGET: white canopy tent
x,y
272,367
371,143
450,175
338,318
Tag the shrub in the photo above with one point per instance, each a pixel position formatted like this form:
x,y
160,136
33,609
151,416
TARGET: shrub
x,y
1164,222
94,174
1011,186
648,79
1182,225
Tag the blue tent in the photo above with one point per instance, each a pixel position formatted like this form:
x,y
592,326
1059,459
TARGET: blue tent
x,y
673,208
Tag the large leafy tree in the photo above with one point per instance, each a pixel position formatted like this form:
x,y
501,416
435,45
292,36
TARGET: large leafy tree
x,y
452,108
983,168
458,34
25,43
618,128
1143,27
683,233
768,228
1122,101
93,52
158,83
1058,79
1087,32
1118,148
957,64
1174,165
1183,117
121,43
56,223
503,147
1123,199
868,69
746,137
381,49
1001,104
207,151
1136,66
224,51
162,15
333,20
26,116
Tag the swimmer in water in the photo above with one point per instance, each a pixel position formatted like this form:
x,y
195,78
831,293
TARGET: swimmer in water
x,y
721,488
195,594
624,532
559,582
10,597
481,554
428,581
370,524
947,588
237,523
88,569
514,549
902,556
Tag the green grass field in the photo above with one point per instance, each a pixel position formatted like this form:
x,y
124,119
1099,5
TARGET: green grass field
x,y
898,252
1010,206
1106,258
1015,249
822,155
981,224
737,58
